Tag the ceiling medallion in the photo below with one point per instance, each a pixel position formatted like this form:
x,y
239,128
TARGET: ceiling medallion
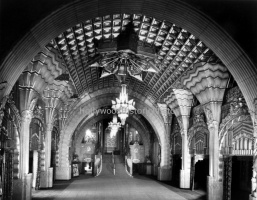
x,y
126,55
114,126
122,105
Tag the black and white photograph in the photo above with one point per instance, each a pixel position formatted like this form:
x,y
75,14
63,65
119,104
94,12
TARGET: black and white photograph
x,y
128,99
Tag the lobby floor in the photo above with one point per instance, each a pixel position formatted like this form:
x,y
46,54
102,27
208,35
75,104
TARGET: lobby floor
x,y
119,187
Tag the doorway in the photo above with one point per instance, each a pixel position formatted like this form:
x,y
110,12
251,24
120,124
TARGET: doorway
x,y
241,177
176,170
201,173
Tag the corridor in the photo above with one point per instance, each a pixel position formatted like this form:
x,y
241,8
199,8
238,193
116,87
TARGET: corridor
x,y
110,187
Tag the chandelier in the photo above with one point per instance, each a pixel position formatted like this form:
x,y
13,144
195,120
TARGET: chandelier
x,y
122,105
114,126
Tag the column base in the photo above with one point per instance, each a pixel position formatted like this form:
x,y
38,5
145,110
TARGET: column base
x,y
184,179
164,174
148,169
22,188
155,170
63,173
214,189
46,178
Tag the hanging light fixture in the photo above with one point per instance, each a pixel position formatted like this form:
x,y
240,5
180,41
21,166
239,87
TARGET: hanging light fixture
x,y
123,105
114,126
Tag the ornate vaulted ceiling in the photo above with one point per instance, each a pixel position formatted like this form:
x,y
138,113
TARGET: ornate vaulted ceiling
x,y
177,52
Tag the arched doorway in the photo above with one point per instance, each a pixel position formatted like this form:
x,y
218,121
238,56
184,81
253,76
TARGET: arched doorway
x,y
236,148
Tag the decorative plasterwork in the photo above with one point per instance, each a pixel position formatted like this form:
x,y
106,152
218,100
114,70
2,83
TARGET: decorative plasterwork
x,y
229,122
39,113
165,112
41,72
180,101
199,131
207,82
125,55
178,51
2,106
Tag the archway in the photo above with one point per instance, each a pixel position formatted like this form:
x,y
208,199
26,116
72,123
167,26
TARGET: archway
x,y
102,100
194,21
131,121
236,148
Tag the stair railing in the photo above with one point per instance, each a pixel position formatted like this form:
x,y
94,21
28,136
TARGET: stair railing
x,y
113,162
98,164
128,166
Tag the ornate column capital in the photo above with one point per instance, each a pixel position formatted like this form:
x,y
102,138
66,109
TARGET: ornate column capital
x,y
26,115
49,126
212,124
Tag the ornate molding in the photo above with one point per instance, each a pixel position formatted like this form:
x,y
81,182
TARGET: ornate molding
x,y
2,106
38,112
26,115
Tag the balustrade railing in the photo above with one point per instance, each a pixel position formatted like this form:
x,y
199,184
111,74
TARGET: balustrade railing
x,y
98,164
128,166
113,163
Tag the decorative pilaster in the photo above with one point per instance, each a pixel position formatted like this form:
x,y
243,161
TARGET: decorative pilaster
x,y
52,96
26,117
61,174
28,100
45,177
208,83
16,154
164,173
180,102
